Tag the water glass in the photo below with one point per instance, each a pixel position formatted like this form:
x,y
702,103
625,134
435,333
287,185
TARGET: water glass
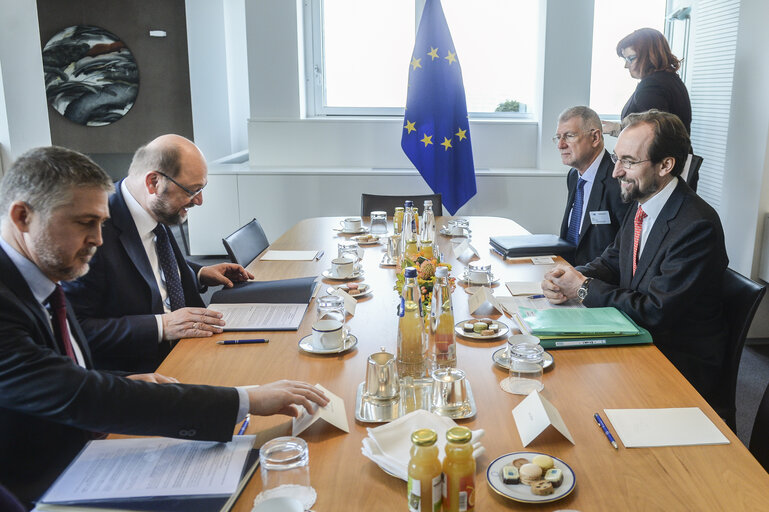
x,y
378,223
479,272
348,249
331,307
285,469
526,363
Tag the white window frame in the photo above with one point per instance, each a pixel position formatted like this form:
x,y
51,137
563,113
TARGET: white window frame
x,y
314,75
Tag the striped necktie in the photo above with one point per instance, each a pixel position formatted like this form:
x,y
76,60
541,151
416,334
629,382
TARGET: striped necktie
x,y
170,268
572,235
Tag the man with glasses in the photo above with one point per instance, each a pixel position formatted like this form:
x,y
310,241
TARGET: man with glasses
x,y
141,294
594,210
666,266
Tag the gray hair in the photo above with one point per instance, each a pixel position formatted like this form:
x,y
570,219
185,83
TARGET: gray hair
x,y
590,119
165,158
45,177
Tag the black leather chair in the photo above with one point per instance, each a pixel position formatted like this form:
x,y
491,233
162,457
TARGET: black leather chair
x,y
694,172
759,439
9,502
245,244
741,299
372,203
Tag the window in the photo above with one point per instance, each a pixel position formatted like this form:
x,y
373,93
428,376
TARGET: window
x,y
357,61
610,83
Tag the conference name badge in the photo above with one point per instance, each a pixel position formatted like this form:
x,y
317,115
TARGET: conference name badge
x,y
601,217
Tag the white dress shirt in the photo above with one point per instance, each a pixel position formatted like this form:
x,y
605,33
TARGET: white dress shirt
x,y
652,208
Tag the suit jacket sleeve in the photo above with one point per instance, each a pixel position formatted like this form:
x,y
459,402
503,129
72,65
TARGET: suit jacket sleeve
x,y
37,381
685,271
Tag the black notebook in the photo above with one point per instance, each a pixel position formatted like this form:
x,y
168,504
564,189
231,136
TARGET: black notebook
x,y
285,291
532,245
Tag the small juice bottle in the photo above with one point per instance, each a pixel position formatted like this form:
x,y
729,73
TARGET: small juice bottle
x,y
459,471
398,220
425,479
442,348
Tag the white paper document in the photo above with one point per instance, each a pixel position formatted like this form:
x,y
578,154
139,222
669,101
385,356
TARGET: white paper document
x,y
289,255
261,317
333,413
534,414
543,260
638,428
524,288
152,467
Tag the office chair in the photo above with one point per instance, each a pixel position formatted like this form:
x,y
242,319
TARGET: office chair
x,y
245,244
694,172
759,440
372,203
9,502
741,299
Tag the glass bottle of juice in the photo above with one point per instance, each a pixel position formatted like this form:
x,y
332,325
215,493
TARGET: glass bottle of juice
x,y
459,471
425,479
427,233
412,343
409,238
442,347
398,220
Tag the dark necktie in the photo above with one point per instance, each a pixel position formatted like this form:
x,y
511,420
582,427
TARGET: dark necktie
x,y
59,309
572,235
170,269
638,222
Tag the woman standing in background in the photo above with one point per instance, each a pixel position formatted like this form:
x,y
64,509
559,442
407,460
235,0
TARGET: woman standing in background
x,y
648,58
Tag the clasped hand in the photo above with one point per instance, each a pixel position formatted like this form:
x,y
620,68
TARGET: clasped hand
x,y
191,323
562,283
223,273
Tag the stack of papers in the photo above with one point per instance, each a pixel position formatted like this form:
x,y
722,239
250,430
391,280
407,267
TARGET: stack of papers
x,y
685,426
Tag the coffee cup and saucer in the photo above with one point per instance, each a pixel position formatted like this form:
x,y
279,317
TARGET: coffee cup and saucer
x,y
343,269
328,337
351,226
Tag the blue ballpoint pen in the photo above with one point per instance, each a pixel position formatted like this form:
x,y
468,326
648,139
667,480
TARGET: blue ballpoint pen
x,y
245,425
605,430
241,342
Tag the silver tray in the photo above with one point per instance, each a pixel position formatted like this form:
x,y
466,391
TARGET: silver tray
x,y
384,411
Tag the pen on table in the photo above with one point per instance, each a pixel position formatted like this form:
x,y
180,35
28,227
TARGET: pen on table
x,y
540,296
601,424
320,255
245,425
241,342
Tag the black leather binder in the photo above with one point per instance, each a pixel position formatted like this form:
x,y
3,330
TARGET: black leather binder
x,y
532,245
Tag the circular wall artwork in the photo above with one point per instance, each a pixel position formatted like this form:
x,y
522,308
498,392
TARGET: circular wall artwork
x,y
91,76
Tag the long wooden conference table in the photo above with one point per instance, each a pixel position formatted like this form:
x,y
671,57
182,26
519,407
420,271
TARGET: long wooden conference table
x,y
581,382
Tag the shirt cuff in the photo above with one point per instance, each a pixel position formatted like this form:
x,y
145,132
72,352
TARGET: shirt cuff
x,y
159,320
243,406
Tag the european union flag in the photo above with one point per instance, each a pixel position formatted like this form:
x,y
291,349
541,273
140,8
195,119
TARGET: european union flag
x,y
436,136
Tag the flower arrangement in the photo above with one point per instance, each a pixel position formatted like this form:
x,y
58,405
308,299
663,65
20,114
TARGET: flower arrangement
x,y
425,275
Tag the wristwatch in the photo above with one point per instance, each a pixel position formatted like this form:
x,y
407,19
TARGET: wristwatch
x,y
582,292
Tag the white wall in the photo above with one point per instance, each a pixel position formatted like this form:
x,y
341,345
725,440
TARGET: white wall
x,y
237,72
23,105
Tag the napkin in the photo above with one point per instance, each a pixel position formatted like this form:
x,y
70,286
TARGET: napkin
x,y
389,445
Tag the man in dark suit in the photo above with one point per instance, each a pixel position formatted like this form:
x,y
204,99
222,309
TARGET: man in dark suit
x,y
666,265
52,204
134,301
595,209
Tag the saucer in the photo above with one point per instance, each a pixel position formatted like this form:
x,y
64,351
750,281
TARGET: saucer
x,y
354,275
305,345
501,359
465,279
363,229
460,331
362,290
446,232
522,492
366,239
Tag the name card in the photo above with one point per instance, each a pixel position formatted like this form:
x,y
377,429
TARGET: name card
x,y
333,413
481,297
534,414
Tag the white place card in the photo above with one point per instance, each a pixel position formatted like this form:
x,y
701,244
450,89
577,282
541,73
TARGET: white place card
x,y
524,287
638,428
349,301
465,246
534,414
543,260
481,297
333,413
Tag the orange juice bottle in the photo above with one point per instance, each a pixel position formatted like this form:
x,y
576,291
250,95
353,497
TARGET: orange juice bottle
x,y
398,220
442,347
459,471
425,479
411,352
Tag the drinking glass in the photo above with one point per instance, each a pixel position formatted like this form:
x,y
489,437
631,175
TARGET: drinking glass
x,y
348,249
378,223
526,362
285,463
331,307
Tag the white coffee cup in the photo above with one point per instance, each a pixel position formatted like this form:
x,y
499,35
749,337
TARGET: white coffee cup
x,y
479,273
327,334
459,227
351,224
342,267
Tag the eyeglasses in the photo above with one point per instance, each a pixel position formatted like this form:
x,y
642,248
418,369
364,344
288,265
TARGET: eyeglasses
x,y
569,137
630,58
190,193
626,164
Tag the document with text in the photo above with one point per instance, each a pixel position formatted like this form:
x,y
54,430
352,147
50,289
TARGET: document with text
x,y
151,467
261,317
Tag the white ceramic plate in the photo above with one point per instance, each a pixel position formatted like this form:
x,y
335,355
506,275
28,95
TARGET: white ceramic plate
x,y
522,492
446,232
305,345
501,359
363,229
364,289
503,330
354,275
365,240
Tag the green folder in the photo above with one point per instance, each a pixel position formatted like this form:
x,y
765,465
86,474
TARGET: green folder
x,y
578,322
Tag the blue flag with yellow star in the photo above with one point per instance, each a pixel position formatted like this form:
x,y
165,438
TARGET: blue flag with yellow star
x,y
436,132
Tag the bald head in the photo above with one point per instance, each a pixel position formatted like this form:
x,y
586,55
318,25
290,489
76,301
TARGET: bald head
x,y
167,154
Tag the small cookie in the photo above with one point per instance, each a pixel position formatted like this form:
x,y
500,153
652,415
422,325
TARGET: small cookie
x,y
487,332
530,473
480,326
494,327
543,461
542,488
467,327
510,475
554,476
520,462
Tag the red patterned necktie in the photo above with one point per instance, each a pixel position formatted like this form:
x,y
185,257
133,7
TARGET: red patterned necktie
x,y
59,308
640,215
